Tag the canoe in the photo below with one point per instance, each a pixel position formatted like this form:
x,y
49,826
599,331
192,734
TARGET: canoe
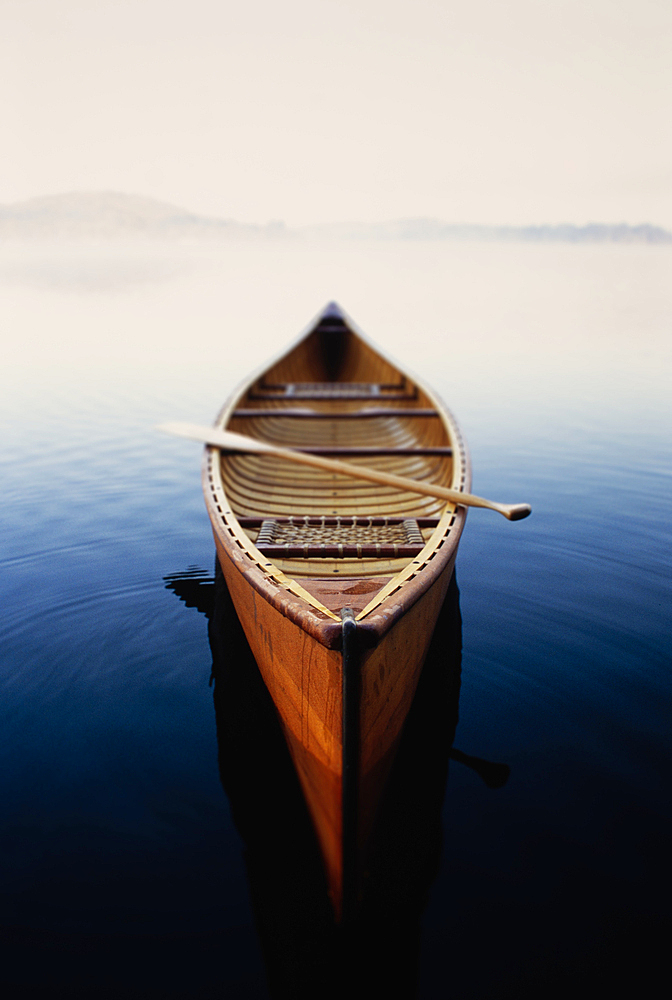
x,y
338,582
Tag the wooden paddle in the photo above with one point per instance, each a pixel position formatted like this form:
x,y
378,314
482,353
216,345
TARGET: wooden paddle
x,y
228,441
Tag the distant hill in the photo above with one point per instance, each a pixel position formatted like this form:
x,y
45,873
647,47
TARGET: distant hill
x,y
109,215
112,215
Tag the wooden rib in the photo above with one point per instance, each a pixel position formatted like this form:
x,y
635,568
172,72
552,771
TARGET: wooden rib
x,y
292,495
315,496
390,434
430,469
247,476
281,471
332,434
385,431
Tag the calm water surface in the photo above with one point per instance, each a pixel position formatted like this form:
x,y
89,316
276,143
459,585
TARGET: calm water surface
x,y
123,871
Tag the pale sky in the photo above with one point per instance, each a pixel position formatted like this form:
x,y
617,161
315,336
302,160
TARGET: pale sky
x,y
503,111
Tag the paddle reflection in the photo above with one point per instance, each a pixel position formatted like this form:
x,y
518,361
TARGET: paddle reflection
x,y
304,951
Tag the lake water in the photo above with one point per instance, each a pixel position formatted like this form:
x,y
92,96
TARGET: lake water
x,y
126,868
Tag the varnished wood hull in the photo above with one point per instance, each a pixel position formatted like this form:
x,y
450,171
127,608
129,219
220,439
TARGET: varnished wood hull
x,y
292,606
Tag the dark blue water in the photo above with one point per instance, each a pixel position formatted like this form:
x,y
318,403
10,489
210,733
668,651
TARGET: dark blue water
x,y
134,844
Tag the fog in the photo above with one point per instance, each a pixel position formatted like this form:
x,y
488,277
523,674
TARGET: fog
x,y
336,110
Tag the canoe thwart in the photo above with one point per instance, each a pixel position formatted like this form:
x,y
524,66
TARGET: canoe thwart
x,y
440,450
247,413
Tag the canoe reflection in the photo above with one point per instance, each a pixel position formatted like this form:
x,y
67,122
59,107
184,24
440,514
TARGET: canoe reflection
x,y
304,951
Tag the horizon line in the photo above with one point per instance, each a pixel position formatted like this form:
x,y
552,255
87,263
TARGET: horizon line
x,y
196,216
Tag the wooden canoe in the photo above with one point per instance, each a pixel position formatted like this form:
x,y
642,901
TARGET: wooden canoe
x,y
337,582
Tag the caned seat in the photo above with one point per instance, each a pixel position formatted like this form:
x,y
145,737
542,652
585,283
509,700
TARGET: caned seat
x,y
356,537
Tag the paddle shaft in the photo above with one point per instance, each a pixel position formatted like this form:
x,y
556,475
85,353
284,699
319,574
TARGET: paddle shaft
x,y
229,441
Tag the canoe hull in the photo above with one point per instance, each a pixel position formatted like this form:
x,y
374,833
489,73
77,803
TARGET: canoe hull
x,y
305,681
339,628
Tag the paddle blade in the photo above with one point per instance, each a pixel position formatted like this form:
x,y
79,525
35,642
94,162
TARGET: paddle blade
x,y
215,437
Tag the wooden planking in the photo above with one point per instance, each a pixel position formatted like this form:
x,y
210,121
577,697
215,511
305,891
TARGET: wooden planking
x,y
322,789
358,505
269,478
359,361
302,676
389,673
387,432
265,478
357,502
